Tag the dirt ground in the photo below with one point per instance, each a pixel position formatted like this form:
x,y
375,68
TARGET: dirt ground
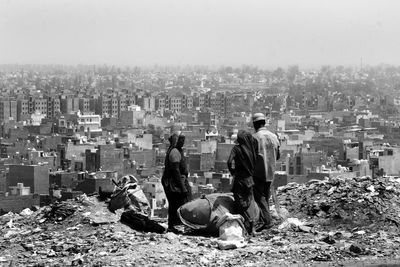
x,y
320,229
77,241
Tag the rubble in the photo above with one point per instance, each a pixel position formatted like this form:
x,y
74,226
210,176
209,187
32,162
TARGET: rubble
x,y
78,239
361,201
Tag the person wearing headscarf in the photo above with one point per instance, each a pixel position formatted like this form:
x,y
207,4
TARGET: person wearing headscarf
x,y
244,156
174,180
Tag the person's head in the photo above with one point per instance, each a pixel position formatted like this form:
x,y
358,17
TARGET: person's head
x,y
244,137
180,142
258,121
173,140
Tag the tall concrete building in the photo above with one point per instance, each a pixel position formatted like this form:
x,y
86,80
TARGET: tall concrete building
x,y
84,105
22,109
103,106
8,110
69,105
40,105
34,176
53,106
149,104
175,103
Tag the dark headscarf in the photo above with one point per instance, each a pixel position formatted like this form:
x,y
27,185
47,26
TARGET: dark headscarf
x,y
181,139
246,151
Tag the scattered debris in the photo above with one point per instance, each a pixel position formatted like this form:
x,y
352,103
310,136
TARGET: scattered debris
x,y
84,232
347,202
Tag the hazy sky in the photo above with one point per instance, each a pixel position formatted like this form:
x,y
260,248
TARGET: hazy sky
x,y
207,32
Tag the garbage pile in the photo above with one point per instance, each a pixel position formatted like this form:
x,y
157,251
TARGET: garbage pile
x,y
130,197
60,210
85,232
360,201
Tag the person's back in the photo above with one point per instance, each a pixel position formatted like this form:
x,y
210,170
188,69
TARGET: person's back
x,y
268,145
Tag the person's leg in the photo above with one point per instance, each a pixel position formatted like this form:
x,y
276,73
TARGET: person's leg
x,y
241,208
250,213
172,210
267,192
259,197
267,196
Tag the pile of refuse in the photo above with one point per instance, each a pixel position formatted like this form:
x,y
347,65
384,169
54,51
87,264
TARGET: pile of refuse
x,y
89,231
360,201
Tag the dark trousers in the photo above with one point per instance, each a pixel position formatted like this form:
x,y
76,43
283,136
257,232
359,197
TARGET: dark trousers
x,y
244,196
175,200
262,195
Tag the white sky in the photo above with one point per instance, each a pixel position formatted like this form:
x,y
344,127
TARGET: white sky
x,y
220,32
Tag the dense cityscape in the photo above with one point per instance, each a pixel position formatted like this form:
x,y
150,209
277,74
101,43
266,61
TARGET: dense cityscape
x,y
68,130
73,136
199,133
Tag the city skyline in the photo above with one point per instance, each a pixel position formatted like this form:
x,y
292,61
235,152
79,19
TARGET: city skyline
x,y
144,33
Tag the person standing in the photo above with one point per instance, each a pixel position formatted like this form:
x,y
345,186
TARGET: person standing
x,y
244,156
268,153
183,167
174,180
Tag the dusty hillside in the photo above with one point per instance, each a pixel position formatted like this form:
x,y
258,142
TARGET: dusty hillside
x,y
330,223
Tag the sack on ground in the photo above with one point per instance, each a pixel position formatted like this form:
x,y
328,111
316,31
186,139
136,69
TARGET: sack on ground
x,y
232,232
206,212
141,222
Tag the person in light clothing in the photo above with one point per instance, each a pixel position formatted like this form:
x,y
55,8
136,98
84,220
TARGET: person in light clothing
x,y
268,152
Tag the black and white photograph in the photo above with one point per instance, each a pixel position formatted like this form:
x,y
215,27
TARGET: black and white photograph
x,y
200,133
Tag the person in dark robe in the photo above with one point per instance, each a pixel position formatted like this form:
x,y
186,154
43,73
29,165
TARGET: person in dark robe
x,y
244,156
174,180
183,167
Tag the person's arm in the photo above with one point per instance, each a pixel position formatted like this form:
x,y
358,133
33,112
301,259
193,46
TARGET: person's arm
x,y
278,153
183,166
229,162
175,159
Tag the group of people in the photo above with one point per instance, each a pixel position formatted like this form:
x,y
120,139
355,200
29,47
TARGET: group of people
x,y
254,159
251,163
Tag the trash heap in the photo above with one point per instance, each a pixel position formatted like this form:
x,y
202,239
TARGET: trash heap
x,y
84,232
360,201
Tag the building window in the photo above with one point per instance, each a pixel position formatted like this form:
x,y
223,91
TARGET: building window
x,y
390,152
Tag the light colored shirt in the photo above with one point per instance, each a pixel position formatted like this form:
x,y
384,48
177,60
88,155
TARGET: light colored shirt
x,y
268,145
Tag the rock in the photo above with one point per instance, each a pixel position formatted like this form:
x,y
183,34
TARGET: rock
x,y
171,236
57,248
355,249
26,212
28,247
10,233
321,214
304,228
102,253
321,257
10,224
328,239
36,230
361,232
51,253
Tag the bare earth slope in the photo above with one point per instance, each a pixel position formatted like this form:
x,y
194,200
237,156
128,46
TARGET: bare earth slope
x,y
352,224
